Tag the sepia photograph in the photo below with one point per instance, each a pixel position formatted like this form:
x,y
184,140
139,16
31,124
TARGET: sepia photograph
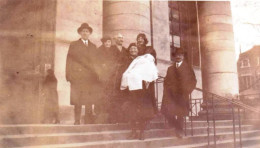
x,y
129,74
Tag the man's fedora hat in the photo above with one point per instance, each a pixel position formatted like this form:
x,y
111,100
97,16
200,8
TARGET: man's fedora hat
x,y
85,26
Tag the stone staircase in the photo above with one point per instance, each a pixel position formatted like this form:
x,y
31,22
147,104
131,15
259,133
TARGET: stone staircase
x,y
116,136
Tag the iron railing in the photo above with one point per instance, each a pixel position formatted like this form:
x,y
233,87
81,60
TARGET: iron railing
x,y
232,109
208,104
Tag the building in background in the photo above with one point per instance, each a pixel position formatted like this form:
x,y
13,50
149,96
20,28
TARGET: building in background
x,y
35,36
248,67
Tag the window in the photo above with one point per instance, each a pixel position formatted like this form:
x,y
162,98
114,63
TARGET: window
x,y
174,26
177,41
183,22
245,63
257,85
245,82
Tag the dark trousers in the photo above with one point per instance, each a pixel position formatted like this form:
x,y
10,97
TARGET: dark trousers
x,y
177,122
88,118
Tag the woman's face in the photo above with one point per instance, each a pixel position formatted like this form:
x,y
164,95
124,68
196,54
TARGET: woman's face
x,y
140,41
108,43
133,51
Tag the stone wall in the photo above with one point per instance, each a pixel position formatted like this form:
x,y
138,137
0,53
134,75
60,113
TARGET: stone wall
x,y
26,45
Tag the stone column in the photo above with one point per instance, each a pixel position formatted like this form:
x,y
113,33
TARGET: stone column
x,y
128,18
219,71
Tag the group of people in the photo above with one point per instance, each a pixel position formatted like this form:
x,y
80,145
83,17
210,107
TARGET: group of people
x,y
119,82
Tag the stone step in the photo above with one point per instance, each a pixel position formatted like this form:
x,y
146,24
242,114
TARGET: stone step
x,y
57,138
251,142
219,129
149,142
41,139
61,128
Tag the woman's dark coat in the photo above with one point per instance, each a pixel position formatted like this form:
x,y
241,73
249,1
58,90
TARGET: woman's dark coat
x,y
82,72
178,84
107,62
141,104
150,92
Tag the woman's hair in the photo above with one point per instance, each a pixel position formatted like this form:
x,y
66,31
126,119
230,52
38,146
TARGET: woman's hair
x,y
142,35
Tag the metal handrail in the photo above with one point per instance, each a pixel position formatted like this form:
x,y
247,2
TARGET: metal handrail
x,y
237,103
234,102
256,94
213,98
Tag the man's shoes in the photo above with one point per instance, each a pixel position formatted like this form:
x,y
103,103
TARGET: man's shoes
x,y
77,123
179,134
141,136
57,121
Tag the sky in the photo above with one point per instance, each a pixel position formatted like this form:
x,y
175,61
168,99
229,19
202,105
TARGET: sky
x,y
246,24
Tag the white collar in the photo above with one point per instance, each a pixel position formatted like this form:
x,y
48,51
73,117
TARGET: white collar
x,y
84,41
178,64
119,47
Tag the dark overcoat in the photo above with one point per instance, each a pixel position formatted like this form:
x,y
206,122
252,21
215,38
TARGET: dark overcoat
x,y
107,62
150,92
51,104
178,84
121,64
117,97
141,105
82,72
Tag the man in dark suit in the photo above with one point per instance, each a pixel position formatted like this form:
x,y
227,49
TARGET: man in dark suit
x,y
81,72
179,82
119,50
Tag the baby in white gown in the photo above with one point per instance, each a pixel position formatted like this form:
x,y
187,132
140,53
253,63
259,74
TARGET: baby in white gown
x,y
141,69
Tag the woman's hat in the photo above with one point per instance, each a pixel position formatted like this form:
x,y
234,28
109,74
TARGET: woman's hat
x,y
105,38
85,26
130,45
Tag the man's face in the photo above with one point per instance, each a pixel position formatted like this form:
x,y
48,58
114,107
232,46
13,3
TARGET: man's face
x,y
140,41
179,57
85,33
133,51
119,40
108,43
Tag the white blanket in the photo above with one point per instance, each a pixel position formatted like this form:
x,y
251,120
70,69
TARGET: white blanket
x,y
141,69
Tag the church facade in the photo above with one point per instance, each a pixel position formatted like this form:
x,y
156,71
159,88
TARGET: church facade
x,y
35,36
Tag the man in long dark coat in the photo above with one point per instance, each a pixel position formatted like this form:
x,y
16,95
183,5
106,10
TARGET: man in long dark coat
x,y
82,74
117,97
179,82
